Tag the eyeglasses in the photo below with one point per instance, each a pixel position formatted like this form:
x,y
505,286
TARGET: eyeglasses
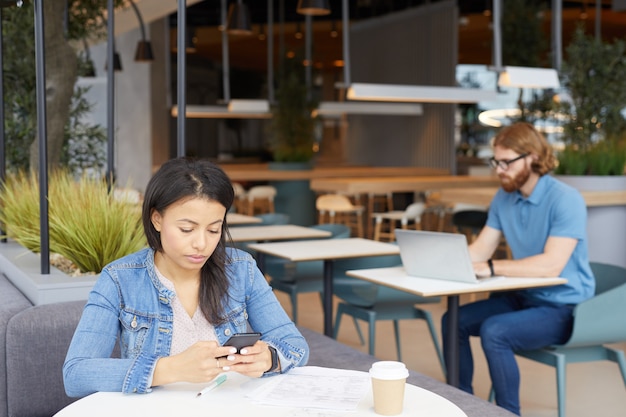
x,y
504,163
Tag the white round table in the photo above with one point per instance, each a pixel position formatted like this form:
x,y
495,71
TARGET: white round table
x,y
232,399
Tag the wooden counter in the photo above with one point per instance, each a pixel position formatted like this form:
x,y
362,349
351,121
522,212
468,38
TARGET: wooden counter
x,y
398,184
262,172
483,196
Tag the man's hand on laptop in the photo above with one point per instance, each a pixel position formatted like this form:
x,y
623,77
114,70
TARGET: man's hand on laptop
x,y
482,269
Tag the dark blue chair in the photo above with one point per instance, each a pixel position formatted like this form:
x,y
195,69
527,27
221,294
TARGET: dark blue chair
x,y
294,278
371,302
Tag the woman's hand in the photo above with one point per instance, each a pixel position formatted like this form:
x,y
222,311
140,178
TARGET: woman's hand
x,y
199,363
252,361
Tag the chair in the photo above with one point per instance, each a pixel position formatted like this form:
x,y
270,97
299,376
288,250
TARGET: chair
x,y
377,203
599,321
240,198
370,302
294,278
337,208
375,200
260,199
412,214
469,219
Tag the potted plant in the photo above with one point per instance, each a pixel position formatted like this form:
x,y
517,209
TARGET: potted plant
x,y
89,226
594,137
292,143
292,128
594,131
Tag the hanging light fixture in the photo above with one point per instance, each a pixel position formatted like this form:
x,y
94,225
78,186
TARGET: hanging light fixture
x,y
239,19
190,45
333,29
143,53
298,34
528,77
261,34
117,62
403,93
313,7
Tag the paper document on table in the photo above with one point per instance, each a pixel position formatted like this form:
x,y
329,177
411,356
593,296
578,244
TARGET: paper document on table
x,y
314,387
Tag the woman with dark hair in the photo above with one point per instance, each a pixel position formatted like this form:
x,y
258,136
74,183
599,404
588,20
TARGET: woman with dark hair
x,y
174,305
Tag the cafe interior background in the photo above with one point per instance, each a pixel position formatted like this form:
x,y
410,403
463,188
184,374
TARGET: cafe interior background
x,y
424,43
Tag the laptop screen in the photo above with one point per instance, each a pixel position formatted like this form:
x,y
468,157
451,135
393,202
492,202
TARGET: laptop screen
x,y
436,255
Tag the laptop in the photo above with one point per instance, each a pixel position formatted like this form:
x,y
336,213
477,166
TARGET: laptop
x,y
436,255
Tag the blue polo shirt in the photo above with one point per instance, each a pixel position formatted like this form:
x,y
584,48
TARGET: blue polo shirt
x,y
553,209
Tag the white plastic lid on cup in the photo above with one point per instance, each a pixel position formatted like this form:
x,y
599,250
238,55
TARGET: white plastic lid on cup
x,y
388,370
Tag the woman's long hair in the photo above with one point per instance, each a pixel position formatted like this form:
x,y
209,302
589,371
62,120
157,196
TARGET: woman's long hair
x,y
184,178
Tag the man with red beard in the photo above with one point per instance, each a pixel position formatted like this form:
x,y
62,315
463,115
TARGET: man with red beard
x,y
544,223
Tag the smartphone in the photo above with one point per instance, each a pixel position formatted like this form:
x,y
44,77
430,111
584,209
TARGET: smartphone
x,y
241,340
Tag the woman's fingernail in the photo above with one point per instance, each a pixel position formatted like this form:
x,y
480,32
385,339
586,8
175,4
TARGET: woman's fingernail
x,y
244,351
230,358
226,368
233,350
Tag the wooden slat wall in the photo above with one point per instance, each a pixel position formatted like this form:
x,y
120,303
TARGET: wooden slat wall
x,y
413,47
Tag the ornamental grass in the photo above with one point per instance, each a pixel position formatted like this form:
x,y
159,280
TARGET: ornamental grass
x,y
87,224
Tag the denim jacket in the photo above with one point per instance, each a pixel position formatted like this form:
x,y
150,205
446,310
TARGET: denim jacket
x,y
128,303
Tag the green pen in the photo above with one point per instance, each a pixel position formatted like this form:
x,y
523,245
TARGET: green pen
x,y
216,383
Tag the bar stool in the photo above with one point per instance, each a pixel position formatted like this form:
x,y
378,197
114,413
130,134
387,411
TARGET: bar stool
x,y
411,215
378,203
239,203
260,199
375,200
337,208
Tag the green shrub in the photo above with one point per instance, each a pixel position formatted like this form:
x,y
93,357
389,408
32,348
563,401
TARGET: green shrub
x,y
603,158
87,224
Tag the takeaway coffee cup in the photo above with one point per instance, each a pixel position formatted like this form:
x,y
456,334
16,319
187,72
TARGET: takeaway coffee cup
x,y
388,381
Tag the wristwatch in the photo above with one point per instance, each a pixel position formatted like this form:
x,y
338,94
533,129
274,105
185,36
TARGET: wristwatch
x,y
490,263
275,360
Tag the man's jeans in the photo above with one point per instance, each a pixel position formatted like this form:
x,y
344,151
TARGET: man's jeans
x,y
506,323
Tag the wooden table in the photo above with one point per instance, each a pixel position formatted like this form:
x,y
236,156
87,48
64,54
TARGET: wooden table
x,y
262,172
234,219
484,195
328,251
399,184
275,232
397,278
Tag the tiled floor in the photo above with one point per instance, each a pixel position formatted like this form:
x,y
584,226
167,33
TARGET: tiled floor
x,y
593,389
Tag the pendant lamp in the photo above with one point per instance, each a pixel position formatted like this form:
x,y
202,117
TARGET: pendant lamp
x,y
239,19
313,7
143,53
117,62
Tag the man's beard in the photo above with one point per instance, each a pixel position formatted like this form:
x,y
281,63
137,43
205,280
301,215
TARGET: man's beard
x,y
513,184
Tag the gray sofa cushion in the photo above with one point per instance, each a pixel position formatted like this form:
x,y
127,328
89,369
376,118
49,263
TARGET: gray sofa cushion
x,y
11,302
36,344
